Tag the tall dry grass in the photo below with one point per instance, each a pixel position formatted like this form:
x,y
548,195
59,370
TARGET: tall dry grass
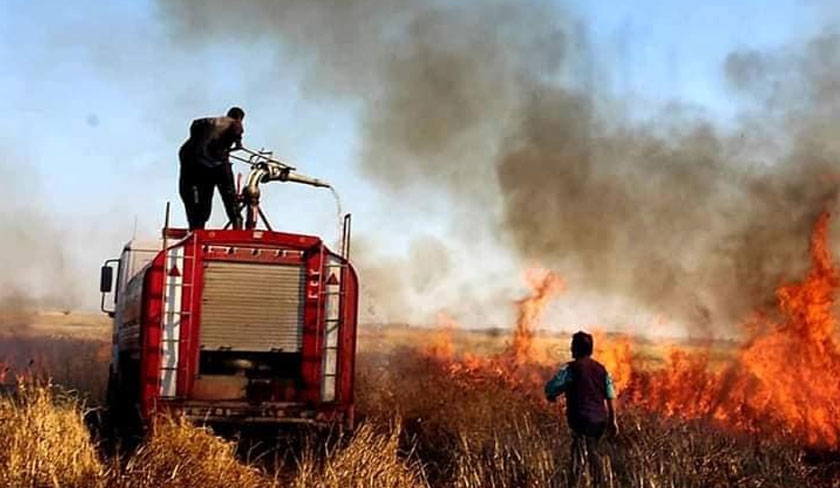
x,y
420,427
78,364
179,455
44,441
372,457
488,433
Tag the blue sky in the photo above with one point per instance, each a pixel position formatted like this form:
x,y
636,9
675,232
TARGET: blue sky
x,y
96,104
675,49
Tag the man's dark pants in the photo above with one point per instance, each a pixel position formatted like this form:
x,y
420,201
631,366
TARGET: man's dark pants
x,y
196,186
586,446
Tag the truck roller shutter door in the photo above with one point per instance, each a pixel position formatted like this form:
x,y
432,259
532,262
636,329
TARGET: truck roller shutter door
x,y
252,307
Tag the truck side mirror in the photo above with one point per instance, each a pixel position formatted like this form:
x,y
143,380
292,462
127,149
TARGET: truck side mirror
x,y
106,286
106,279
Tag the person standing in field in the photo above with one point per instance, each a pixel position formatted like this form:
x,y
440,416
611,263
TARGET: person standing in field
x,y
205,165
590,403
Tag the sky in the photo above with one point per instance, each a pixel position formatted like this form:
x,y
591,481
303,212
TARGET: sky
x,y
98,98
675,49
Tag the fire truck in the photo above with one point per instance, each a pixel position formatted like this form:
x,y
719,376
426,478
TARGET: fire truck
x,y
249,326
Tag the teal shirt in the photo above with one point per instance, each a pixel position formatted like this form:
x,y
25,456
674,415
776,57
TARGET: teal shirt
x,y
558,383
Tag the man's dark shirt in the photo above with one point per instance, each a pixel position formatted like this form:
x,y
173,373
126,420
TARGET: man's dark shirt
x,y
210,141
586,384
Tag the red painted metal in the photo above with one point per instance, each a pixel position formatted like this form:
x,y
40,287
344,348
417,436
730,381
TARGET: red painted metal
x,y
312,327
347,350
152,306
248,246
190,311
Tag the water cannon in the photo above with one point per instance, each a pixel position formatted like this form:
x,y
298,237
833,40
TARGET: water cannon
x,y
256,157
306,180
266,171
266,168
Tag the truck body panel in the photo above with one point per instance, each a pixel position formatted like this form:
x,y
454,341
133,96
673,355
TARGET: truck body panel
x,y
235,326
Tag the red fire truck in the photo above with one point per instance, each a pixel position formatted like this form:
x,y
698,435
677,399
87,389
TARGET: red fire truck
x,y
234,326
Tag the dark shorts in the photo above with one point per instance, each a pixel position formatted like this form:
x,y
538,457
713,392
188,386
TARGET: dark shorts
x,y
589,429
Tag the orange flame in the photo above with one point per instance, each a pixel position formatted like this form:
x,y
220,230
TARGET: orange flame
x,y
615,355
545,285
785,379
441,345
518,364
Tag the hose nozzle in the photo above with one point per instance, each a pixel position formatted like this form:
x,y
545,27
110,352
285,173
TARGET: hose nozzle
x,y
306,180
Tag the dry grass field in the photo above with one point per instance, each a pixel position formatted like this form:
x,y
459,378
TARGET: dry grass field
x,y
424,422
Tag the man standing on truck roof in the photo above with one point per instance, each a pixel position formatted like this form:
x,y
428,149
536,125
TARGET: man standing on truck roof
x,y
590,407
205,165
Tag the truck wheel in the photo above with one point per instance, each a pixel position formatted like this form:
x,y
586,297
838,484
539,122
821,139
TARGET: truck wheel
x,y
116,406
110,422
109,390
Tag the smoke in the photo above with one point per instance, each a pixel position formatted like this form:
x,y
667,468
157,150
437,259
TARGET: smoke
x,y
392,287
383,289
497,105
692,220
674,214
35,269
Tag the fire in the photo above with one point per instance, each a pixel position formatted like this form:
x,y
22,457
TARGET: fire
x,y
518,364
783,379
442,343
616,356
545,286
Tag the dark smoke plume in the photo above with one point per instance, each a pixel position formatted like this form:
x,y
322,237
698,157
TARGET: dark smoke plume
x,y
499,105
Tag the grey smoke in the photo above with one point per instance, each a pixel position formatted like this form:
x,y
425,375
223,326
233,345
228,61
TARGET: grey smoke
x,y
35,268
499,105
433,263
390,284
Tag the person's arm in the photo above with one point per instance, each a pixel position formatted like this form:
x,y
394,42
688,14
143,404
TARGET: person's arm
x,y
611,417
557,384
237,131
